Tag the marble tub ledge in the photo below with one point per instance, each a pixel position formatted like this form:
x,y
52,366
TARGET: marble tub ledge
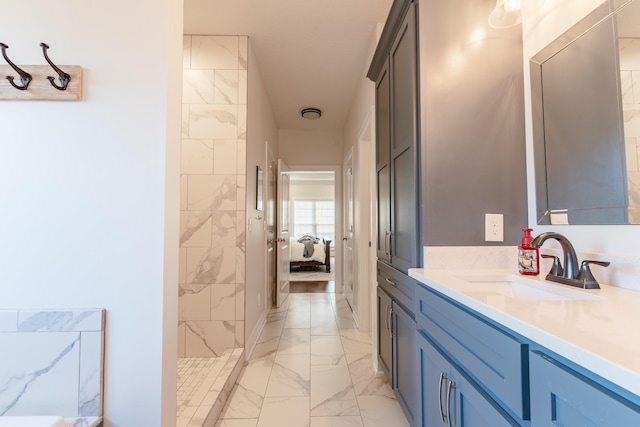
x,y
83,422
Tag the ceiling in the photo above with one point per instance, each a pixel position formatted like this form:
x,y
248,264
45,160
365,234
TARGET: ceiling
x,y
327,176
310,53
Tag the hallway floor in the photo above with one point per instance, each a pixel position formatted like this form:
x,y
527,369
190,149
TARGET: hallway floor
x,y
312,367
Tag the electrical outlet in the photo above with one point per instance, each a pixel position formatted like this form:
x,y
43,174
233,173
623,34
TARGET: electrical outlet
x,y
493,228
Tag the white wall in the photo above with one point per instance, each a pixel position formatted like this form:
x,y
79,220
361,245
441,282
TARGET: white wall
x,y
359,135
261,127
298,147
89,190
363,101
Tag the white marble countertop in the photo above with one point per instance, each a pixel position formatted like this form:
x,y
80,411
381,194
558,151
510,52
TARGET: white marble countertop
x,y
601,334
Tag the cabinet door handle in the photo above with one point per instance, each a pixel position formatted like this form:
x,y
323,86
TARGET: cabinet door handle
x,y
391,320
443,376
389,281
451,385
386,318
386,244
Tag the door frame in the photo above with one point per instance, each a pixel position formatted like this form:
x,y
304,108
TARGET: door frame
x,y
337,194
349,167
367,135
282,236
365,224
271,224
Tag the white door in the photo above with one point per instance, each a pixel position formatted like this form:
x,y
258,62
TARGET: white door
x,y
282,288
350,291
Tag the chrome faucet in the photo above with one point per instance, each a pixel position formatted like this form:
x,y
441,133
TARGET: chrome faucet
x,y
570,275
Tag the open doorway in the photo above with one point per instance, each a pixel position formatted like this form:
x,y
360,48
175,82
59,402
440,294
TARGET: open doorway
x,y
313,231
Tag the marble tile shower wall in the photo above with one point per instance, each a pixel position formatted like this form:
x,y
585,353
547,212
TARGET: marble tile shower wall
x,y
213,193
52,362
630,82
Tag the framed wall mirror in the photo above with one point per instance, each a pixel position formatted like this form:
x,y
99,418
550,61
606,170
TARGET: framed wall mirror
x,y
259,188
585,90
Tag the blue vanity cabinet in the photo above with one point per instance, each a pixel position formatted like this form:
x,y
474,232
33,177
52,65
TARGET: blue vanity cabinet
x,y
397,351
488,365
449,397
434,372
563,397
405,382
384,332
397,336
394,69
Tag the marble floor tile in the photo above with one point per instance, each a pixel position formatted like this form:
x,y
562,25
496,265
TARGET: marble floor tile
x,y
355,341
365,380
324,324
381,411
353,421
345,320
332,392
327,350
342,307
299,305
284,412
298,319
238,423
322,312
327,328
182,420
321,308
298,299
295,341
331,361
264,352
246,399
277,315
273,328
321,298
290,376
282,309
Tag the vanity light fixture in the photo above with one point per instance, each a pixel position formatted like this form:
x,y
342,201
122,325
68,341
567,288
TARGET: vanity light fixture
x,y
311,113
507,13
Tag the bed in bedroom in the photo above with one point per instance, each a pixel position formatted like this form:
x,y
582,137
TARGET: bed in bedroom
x,y
321,254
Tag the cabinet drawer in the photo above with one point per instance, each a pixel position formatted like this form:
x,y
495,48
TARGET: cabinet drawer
x,y
562,397
397,284
468,406
497,361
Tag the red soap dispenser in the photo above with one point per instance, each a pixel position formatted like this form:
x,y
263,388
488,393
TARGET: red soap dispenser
x,y
528,256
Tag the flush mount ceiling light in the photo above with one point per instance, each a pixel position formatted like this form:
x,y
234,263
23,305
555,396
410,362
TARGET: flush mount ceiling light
x,y
507,13
311,113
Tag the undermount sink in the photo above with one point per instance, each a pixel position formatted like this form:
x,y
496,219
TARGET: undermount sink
x,y
519,287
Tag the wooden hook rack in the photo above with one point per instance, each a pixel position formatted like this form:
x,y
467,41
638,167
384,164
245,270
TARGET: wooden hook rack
x,y
40,88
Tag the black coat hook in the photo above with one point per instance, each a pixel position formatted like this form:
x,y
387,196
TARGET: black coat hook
x,y
25,78
62,76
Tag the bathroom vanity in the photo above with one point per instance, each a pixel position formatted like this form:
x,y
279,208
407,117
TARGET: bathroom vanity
x,y
495,348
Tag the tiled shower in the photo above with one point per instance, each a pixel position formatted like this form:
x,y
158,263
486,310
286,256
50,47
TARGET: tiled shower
x,y
212,224
213,188
630,82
